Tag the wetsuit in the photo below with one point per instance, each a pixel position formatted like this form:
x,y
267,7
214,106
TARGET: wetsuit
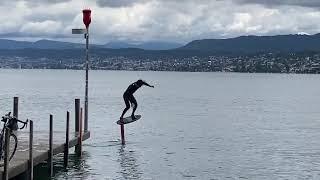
x,y
129,98
128,94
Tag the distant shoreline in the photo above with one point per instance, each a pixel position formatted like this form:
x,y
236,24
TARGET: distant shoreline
x,y
228,72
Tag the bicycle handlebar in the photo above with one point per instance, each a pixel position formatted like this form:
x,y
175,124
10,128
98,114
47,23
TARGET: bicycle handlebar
x,y
8,117
25,124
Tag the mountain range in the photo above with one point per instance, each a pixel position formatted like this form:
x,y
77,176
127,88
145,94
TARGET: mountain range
x,y
257,44
152,45
50,44
232,46
41,44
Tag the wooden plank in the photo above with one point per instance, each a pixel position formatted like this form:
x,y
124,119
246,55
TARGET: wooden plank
x,y
20,162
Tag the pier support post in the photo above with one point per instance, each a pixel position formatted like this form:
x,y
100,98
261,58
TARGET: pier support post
x,y
15,111
66,146
30,176
50,153
79,150
122,134
6,155
15,107
76,121
77,114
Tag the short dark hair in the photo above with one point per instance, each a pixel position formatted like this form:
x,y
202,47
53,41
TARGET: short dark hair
x,y
140,81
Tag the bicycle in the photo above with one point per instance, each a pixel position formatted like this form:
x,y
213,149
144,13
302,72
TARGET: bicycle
x,y
9,122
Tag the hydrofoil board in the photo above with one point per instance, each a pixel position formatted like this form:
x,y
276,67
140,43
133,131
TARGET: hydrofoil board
x,y
128,119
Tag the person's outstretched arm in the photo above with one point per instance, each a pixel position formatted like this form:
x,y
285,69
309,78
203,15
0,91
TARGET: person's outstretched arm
x,y
144,83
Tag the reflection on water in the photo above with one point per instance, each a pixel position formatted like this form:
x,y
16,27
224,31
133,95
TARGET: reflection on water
x,y
77,168
128,164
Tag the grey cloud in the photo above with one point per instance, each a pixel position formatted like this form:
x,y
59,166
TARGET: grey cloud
x,y
126,3
31,3
118,3
30,35
38,17
34,2
185,20
302,3
46,1
166,20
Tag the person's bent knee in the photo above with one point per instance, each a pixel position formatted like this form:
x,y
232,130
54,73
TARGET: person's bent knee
x,y
135,106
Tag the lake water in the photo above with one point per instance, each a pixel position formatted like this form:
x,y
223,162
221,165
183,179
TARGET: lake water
x,y
193,125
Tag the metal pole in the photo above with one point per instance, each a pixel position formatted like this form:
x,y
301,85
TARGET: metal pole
x,y
31,151
87,81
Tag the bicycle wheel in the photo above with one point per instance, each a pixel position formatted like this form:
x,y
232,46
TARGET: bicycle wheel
x,y
12,145
12,148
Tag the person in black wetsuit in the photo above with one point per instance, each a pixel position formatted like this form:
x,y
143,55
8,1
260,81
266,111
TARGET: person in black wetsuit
x,y
129,98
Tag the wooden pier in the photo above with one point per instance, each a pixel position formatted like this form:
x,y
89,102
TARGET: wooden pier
x,y
35,147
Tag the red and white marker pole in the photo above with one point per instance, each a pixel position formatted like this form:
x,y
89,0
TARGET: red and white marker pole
x,y
86,21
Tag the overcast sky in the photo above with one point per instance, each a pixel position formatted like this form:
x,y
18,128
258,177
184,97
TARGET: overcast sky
x,y
157,20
